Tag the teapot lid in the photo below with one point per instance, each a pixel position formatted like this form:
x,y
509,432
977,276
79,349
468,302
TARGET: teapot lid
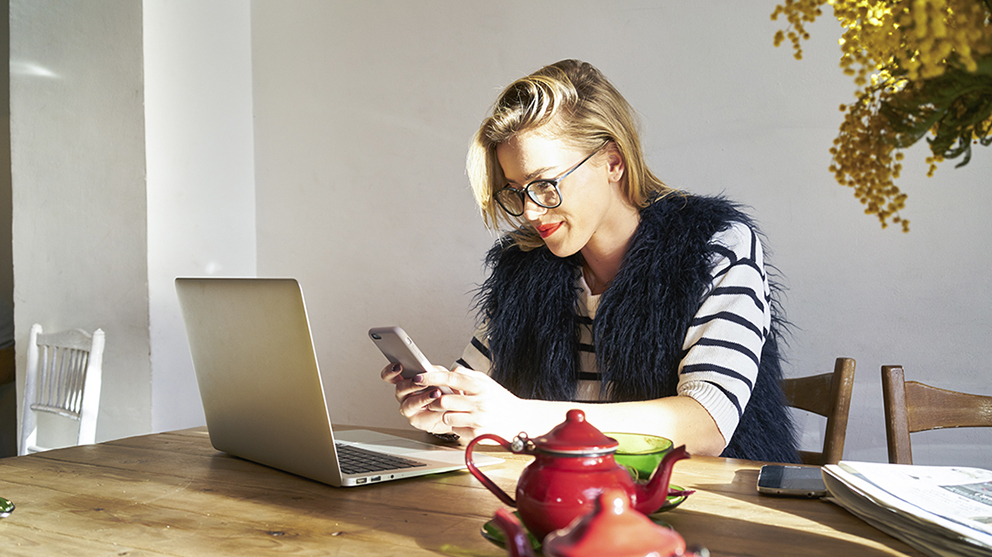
x,y
613,528
575,436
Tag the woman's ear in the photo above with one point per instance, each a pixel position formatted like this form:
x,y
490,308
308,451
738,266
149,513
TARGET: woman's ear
x,y
614,163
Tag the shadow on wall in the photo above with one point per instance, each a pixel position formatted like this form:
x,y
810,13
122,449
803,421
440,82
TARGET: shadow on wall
x,y
8,393
8,396
8,420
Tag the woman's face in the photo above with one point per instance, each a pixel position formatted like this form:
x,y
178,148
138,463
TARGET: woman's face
x,y
591,200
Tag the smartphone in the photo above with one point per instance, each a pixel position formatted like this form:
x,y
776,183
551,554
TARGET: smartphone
x,y
398,347
791,481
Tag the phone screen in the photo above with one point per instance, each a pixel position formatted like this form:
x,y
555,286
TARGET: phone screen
x,y
801,481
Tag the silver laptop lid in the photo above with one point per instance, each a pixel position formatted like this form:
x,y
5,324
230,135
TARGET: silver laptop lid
x,y
257,373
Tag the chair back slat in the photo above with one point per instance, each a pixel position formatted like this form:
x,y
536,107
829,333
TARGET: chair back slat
x,y
811,393
49,381
932,408
74,386
60,377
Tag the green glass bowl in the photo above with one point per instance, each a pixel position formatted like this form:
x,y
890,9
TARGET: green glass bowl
x,y
640,453
6,507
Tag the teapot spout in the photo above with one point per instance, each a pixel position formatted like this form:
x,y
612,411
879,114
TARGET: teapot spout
x,y
651,496
517,542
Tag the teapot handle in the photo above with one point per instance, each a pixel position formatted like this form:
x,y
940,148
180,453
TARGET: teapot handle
x,y
495,489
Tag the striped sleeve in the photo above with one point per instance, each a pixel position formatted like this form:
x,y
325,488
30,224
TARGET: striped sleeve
x,y
476,354
723,344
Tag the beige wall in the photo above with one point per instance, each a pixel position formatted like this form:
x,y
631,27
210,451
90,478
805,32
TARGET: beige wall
x,y
78,175
201,175
133,144
361,113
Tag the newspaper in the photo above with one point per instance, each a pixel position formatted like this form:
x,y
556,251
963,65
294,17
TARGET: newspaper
x,y
940,510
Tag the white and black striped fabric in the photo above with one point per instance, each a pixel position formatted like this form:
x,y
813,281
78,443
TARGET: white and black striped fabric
x,y
722,346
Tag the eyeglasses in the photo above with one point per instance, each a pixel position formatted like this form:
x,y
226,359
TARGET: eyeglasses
x,y
544,193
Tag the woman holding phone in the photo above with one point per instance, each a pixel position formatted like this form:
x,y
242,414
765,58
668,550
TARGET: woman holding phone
x,y
647,307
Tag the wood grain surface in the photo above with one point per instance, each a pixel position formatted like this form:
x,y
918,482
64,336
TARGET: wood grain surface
x,y
173,494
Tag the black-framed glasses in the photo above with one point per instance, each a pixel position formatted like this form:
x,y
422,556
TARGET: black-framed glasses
x,y
544,193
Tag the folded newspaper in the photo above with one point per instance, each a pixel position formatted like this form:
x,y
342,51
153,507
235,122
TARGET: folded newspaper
x,y
940,510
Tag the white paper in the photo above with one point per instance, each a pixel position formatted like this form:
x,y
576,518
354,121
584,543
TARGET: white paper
x,y
942,510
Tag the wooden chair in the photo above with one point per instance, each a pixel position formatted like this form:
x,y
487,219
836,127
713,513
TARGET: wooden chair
x,y
827,394
63,378
911,406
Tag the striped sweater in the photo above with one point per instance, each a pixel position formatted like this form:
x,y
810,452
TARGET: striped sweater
x,y
723,343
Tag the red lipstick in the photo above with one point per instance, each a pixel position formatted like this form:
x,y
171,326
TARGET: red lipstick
x,y
546,230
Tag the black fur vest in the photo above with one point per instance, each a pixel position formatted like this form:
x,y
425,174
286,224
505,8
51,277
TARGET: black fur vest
x,y
529,304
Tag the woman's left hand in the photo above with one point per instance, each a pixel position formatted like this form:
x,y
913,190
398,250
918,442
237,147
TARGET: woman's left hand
x,y
480,405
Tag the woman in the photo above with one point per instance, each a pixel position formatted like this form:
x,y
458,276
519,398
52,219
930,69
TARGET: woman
x,y
646,307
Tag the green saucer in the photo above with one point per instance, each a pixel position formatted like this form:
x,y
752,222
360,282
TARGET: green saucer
x,y
492,532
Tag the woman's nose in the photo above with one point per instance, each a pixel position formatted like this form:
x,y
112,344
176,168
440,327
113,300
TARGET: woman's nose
x,y
532,210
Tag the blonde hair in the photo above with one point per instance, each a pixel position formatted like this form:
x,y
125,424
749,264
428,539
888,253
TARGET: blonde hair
x,y
575,102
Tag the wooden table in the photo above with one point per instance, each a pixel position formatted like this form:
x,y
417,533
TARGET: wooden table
x,y
173,494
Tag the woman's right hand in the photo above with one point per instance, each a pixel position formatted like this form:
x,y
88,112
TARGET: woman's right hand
x,y
415,400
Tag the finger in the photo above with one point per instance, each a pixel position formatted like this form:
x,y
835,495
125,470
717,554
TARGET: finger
x,y
460,421
419,402
429,421
391,373
454,403
467,381
407,387
472,380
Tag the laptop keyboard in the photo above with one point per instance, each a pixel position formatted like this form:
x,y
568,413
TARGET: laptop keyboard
x,y
353,460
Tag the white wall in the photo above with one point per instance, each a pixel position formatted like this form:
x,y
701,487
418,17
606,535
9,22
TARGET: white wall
x,y
201,185
363,112
78,171
361,116
98,88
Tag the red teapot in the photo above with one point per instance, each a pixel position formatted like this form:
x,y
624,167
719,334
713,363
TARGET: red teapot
x,y
612,528
573,464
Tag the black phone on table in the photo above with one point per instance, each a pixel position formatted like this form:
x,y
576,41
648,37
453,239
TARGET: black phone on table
x,y
791,481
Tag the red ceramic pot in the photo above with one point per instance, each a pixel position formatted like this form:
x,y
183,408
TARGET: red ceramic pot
x,y
573,464
612,528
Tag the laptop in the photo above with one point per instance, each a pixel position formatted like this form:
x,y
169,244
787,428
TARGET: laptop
x,y
262,393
